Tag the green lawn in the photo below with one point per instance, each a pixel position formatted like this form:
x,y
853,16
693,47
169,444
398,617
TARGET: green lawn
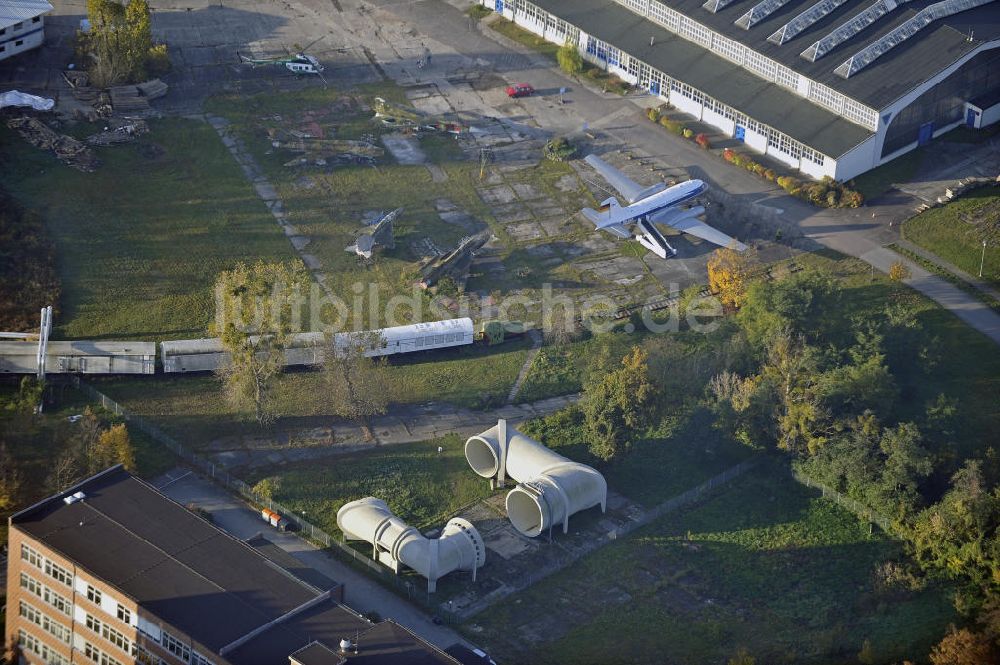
x,y
766,565
956,231
192,407
421,485
141,241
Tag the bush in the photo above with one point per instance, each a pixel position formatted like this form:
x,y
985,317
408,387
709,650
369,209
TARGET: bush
x,y
759,169
851,199
569,58
729,155
832,198
672,125
653,114
157,61
770,174
687,133
702,140
739,160
790,184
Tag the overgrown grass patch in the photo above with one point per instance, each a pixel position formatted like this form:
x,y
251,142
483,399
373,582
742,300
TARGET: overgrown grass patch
x,y
511,30
766,565
956,232
192,408
876,182
141,241
422,486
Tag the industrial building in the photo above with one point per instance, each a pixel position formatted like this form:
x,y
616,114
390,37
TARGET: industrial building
x,y
827,87
22,25
112,572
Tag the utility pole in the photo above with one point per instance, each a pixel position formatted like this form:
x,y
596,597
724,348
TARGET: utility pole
x,y
982,259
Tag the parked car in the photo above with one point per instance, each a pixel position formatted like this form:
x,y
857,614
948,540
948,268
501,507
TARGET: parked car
x,y
520,90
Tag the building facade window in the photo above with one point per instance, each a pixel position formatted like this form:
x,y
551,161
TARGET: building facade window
x,y
58,573
97,655
43,621
31,556
50,597
93,595
29,642
198,659
175,646
124,614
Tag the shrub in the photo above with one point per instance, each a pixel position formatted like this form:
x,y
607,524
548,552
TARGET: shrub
x,y
653,114
569,58
157,61
851,199
832,198
817,192
728,154
687,133
702,140
790,184
672,125
770,174
739,160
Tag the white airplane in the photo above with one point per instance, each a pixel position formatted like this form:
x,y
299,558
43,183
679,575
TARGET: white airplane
x,y
648,206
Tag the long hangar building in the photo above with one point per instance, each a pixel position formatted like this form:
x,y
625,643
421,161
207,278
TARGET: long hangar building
x,y
828,87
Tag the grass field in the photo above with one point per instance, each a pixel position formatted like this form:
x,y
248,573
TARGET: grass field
x,y
766,565
421,485
192,407
876,182
140,242
956,231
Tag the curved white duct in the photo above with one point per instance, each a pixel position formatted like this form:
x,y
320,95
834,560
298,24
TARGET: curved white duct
x,y
550,487
459,547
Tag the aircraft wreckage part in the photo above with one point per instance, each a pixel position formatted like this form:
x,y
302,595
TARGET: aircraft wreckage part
x,y
395,543
550,487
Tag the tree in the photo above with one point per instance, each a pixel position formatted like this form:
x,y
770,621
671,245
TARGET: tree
x,y
358,385
742,657
728,272
617,404
266,488
569,58
964,647
257,306
898,271
10,479
113,447
791,370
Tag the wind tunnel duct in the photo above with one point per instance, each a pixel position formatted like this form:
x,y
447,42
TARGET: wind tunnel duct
x,y
394,542
550,487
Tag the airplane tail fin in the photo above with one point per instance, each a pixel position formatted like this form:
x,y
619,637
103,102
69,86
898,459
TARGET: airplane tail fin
x,y
606,215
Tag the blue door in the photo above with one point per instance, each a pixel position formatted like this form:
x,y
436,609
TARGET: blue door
x,y
740,134
498,6
970,117
926,130
654,87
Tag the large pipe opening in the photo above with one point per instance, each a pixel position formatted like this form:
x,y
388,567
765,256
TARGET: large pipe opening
x,y
524,512
482,457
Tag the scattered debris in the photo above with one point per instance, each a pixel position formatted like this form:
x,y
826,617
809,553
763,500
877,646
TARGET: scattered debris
x,y
381,235
119,131
66,149
136,98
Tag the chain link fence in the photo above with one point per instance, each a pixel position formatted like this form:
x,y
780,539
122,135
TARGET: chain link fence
x,y
303,527
856,507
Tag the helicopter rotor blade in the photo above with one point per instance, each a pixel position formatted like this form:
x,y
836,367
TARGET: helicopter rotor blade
x,y
306,47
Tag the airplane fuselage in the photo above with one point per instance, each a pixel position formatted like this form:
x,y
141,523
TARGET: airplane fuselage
x,y
668,198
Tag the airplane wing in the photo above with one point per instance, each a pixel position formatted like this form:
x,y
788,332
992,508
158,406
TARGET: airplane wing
x,y
700,229
621,182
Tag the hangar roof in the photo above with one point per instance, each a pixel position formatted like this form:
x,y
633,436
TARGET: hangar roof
x,y
895,73
15,11
712,74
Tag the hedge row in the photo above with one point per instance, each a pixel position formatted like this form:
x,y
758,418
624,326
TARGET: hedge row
x,y
826,192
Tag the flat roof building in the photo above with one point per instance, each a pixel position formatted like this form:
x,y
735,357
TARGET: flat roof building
x,y
828,87
112,572
22,25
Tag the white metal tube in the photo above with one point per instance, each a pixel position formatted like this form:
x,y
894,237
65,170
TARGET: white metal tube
x,y
550,487
394,542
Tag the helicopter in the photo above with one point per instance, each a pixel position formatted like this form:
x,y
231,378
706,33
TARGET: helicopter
x,y
298,64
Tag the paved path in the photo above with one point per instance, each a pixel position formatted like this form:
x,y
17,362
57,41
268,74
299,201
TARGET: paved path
x,y
977,282
360,592
536,346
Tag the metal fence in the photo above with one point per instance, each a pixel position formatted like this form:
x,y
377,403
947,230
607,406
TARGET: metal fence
x,y
305,528
561,560
856,507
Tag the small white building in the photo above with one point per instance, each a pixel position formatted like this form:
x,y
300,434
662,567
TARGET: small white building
x,y
22,26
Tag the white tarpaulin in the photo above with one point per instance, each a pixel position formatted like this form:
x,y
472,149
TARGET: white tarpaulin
x,y
15,98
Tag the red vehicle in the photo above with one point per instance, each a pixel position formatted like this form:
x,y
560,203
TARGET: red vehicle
x,y
520,90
